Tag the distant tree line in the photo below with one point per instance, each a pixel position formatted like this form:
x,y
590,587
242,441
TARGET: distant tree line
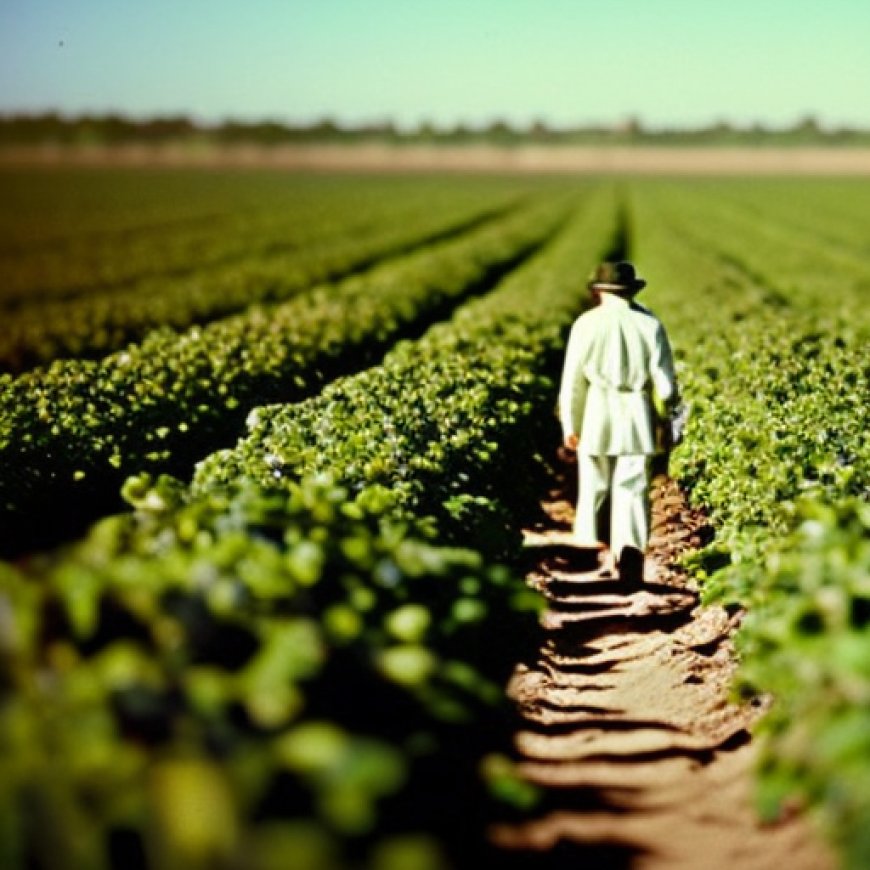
x,y
114,129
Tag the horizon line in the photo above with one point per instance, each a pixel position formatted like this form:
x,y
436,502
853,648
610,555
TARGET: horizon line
x,y
633,122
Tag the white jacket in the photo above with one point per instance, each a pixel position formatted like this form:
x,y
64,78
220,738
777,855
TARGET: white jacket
x,y
617,364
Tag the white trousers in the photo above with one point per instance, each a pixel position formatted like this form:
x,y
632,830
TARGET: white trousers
x,y
626,480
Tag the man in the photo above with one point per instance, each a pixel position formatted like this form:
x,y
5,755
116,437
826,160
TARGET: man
x,y
618,371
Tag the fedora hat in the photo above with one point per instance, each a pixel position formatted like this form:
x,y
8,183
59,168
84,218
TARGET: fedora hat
x,y
615,277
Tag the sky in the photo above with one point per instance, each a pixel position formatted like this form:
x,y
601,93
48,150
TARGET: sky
x,y
670,63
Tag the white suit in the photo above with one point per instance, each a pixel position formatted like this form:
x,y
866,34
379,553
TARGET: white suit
x,y
618,367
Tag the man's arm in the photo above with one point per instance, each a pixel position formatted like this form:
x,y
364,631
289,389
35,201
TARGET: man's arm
x,y
666,394
662,374
572,392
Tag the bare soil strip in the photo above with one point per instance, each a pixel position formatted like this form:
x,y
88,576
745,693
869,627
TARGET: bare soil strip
x,y
627,723
648,159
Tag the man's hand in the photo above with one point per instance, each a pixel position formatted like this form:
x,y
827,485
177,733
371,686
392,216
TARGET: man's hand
x,y
571,442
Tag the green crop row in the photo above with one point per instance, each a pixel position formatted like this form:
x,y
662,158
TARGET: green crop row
x,y
97,322
297,660
830,210
463,404
777,453
46,206
778,376
255,680
69,434
792,263
81,263
106,230
806,640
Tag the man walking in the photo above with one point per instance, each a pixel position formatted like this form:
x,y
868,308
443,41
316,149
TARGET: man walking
x,y
618,382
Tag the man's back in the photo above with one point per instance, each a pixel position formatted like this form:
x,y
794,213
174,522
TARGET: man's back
x,y
618,354
617,339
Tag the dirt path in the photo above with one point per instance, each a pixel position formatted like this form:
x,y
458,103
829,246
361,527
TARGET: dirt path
x,y
627,724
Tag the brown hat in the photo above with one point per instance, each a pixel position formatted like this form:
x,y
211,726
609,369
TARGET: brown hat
x,y
616,278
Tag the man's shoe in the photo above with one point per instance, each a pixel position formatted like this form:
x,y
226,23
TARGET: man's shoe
x,y
631,566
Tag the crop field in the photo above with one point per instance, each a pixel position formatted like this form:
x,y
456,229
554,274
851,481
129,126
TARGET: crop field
x,y
268,445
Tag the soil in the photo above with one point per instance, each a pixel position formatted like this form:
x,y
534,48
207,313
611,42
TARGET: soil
x,y
627,721
705,160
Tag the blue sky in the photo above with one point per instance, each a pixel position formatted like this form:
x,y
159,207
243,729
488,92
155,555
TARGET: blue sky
x,y
669,62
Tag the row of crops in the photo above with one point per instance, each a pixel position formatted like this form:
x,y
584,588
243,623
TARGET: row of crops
x,y
284,261
288,644
768,309
296,644
85,233
71,433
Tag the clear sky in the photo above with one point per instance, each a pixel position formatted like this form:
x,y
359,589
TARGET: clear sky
x,y
668,62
